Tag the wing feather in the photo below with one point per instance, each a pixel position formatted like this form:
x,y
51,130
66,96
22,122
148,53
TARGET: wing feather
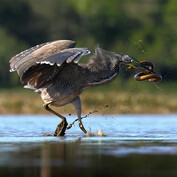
x,y
39,75
46,69
38,65
22,62
14,60
59,58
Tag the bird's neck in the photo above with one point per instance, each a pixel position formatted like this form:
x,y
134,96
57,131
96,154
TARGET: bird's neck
x,y
102,68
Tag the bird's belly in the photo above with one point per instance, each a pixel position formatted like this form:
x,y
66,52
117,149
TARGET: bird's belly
x,y
63,101
59,98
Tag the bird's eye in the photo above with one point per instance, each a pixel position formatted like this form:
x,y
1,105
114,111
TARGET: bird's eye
x,y
87,51
127,59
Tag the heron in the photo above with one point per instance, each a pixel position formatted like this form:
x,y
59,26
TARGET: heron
x,y
52,70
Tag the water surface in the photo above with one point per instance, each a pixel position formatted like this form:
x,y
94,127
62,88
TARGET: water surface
x,y
132,145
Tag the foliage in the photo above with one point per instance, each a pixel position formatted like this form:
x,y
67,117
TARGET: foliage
x,y
145,29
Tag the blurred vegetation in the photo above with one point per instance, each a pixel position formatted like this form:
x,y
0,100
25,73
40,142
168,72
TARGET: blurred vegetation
x,y
144,29
132,98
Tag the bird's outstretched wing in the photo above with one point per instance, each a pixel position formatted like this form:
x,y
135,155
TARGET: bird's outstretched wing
x,y
68,55
38,65
17,58
23,61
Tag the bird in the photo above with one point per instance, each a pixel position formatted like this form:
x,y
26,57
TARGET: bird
x,y
52,69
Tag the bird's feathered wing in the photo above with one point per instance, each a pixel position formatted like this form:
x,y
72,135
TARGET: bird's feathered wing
x,y
39,64
59,58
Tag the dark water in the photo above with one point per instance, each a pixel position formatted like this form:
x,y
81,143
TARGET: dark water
x,y
132,145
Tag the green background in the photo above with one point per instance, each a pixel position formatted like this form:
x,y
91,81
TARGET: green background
x,y
144,29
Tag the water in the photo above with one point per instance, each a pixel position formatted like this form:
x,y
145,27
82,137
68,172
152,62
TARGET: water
x,y
132,145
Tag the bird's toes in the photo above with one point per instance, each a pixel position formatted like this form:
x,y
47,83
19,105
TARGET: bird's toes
x,y
60,129
82,128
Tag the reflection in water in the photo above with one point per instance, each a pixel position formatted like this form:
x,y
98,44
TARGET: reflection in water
x,y
45,156
90,157
139,147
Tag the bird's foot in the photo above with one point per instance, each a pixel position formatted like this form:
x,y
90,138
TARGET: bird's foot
x,y
61,128
82,127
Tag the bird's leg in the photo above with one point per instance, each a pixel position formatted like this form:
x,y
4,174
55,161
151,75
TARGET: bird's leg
x,y
61,127
77,105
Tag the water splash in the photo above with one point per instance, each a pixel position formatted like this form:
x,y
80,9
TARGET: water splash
x,y
157,87
139,45
90,113
100,134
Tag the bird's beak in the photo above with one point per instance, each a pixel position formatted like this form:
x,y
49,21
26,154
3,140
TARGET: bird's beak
x,y
143,66
146,69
